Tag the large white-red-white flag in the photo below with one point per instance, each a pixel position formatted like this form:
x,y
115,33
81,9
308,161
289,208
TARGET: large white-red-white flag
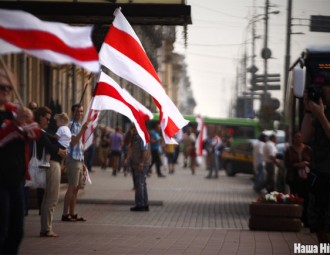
x,y
144,111
108,95
52,41
123,53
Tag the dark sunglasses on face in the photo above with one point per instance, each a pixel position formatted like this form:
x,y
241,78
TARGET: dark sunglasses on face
x,y
4,87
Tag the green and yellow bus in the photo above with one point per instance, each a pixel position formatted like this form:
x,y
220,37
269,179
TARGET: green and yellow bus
x,y
239,128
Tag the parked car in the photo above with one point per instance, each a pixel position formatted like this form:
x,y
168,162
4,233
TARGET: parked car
x,y
238,158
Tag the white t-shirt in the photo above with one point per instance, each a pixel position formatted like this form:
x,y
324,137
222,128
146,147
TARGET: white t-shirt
x,y
269,150
64,135
258,153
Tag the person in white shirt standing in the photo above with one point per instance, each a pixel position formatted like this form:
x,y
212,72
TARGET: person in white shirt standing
x,y
270,152
258,161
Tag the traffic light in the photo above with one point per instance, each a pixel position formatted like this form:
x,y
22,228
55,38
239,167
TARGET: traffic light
x,y
268,112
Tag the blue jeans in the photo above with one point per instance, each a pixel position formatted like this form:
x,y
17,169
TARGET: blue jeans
x,y
11,217
214,165
260,175
140,185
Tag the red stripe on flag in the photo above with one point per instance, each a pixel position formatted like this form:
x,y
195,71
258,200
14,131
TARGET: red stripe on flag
x,y
104,89
171,128
41,40
120,40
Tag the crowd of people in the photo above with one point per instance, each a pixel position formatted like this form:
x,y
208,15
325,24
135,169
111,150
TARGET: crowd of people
x,y
304,168
22,129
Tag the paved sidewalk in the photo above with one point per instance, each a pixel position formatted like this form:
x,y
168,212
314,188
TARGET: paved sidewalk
x,y
188,215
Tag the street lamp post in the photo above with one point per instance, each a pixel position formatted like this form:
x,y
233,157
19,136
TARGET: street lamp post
x,y
266,54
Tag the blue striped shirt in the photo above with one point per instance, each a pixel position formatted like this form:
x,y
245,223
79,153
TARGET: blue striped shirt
x,y
76,152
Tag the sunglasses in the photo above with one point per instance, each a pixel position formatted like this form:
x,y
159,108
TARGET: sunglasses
x,y
6,88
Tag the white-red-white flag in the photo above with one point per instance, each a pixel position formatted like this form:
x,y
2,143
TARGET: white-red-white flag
x,y
146,113
92,116
52,41
108,95
201,136
123,53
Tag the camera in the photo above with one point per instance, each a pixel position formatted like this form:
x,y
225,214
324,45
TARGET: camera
x,y
314,93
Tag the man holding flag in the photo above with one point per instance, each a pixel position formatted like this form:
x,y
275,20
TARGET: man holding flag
x,y
74,163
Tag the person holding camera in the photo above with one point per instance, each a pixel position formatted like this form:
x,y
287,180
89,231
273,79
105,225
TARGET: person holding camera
x,y
315,130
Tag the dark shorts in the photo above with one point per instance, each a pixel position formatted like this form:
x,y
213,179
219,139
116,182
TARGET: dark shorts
x,y
170,158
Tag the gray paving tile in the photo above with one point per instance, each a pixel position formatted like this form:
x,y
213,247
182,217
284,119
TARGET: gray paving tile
x,y
188,215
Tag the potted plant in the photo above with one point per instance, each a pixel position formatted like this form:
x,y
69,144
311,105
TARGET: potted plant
x,y
276,211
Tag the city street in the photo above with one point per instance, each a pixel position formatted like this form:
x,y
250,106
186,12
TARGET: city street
x,y
189,214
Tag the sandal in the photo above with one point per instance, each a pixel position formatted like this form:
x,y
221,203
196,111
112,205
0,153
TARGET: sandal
x,y
67,217
49,234
76,218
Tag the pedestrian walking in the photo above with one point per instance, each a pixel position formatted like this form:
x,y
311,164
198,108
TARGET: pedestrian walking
x,y
155,145
116,144
193,157
104,147
170,155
